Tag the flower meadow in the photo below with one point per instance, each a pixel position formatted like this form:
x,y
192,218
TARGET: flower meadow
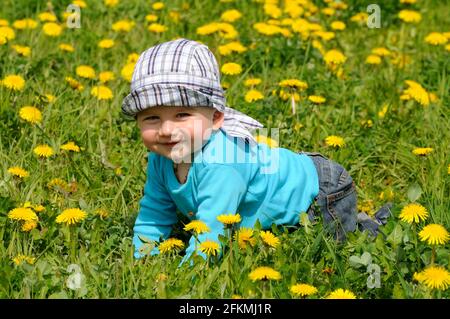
x,y
72,168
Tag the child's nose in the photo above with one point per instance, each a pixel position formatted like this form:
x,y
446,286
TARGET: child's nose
x,y
166,128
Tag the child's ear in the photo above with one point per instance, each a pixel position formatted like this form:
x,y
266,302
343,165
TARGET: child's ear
x,y
218,118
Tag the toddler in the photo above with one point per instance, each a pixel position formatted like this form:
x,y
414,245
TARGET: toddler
x,y
204,161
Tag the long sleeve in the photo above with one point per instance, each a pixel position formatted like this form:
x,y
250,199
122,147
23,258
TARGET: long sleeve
x,y
157,212
220,191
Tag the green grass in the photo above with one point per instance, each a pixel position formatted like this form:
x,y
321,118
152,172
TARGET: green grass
x,y
378,158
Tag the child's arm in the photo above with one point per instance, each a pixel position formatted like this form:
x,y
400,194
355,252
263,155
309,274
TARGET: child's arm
x,y
157,211
220,191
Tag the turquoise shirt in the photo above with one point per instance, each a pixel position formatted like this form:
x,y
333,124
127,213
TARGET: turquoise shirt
x,y
228,176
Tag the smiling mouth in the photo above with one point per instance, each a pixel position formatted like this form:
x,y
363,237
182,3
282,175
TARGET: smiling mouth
x,y
170,144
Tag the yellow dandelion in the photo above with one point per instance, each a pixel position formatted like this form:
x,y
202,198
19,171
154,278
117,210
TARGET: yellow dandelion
x,y
25,24
102,92
57,184
170,244
52,29
158,6
80,3
253,95
110,3
13,82
197,226
229,219
252,81
23,214
264,273
209,247
74,84
413,213
70,146
38,208
269,239
85,71
338,25
266,140
373,59
106,76
436,38
410,16
151,17
231,68
448,169
157,28
49,97
381,51
106,43
316,99
28,226
434,277
422,151
335,141
434,234
341,294
294,83
334,57
43,151
102,213
66,47
303,290
123,26
18,171
22,50
244,237
231,15
19,259
47,16
30,114
71,216
127,71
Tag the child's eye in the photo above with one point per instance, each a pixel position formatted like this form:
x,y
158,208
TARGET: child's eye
x,y
151,118
182,114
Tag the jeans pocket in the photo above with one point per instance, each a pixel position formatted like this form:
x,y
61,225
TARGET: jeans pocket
x,y
341,210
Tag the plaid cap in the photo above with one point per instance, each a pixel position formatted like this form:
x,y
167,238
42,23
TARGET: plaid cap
x,y
185,73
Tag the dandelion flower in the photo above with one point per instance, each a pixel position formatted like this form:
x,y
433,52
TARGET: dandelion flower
x,y
106,43
52,29
28,226
436,38
151,17
229,219
253,95
85,71
335,141
13,82
22,50
373,59
422,151
434,234
66,47
244,236
197,226
79,3
70,146
127,71
30,114
410,16
170,244
294,83
106,76
434,277
110,3
264,273
43,151
252,81
303,290
19,259
157,28
231,68
341,294
231,15
317,99
18,171
25,24
413,213
269,239
417,92
102,92
23,214
71,216
74,84
47,17
381,51
123,26
334,57
158,6
231,47
102,213
209,247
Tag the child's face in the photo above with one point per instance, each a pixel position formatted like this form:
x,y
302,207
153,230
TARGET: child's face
x,y
177,132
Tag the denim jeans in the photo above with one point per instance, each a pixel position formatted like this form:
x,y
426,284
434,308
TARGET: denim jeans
x,y
337,200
